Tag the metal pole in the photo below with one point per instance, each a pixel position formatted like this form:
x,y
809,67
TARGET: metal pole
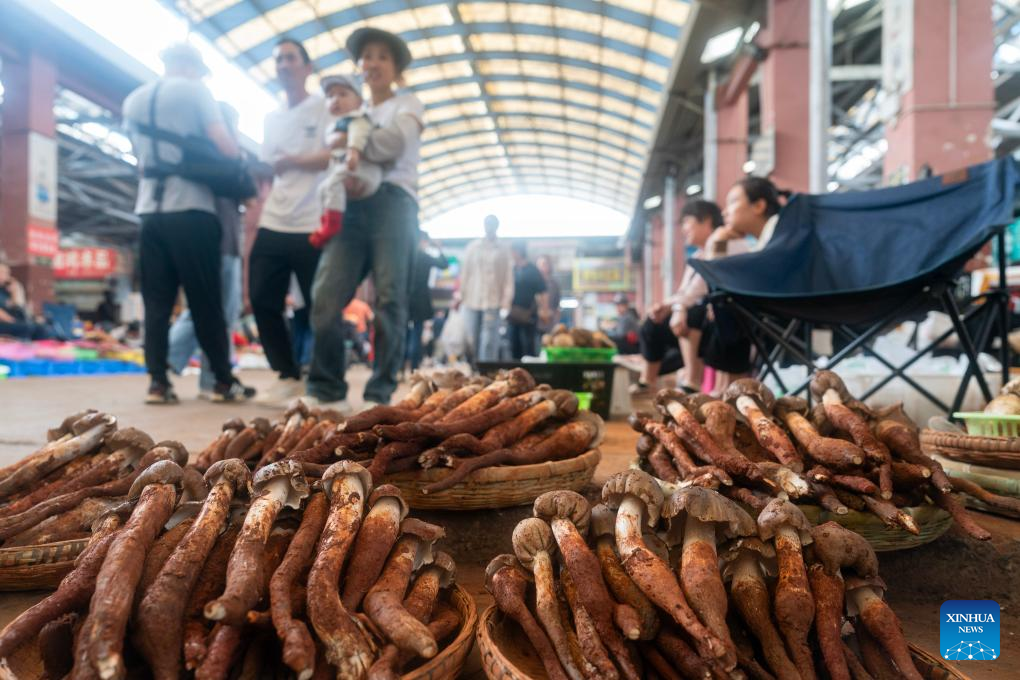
x,y
668,211
820,96
711,151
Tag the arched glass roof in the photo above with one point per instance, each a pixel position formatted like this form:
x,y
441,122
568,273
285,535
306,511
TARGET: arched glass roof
x,y
531,96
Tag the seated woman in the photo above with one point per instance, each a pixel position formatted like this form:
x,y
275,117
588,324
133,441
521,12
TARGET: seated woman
x,y
14,318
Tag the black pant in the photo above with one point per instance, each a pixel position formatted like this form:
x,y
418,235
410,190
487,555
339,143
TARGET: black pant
x,y
182,249
273,257
522,339
659,344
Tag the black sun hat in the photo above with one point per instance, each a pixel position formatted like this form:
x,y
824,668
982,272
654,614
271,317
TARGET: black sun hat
x,y
365,35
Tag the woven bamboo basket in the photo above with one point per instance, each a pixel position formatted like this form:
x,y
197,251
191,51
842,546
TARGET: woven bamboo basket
x,y
35,567
507,654
997,452
497,487
26,664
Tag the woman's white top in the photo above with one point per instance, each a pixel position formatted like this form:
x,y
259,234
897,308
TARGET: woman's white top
x,y
396,142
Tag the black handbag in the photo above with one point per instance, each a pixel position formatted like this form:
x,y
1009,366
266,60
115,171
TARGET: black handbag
x,y
521,315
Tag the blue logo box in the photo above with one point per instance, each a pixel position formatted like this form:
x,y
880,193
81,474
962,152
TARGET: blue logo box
x,y
969,630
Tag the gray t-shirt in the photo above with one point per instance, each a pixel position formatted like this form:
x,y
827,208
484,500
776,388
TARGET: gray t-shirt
x,y
185,107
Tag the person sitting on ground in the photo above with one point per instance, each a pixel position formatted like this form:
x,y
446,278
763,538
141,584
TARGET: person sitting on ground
x,y
628,326
671,335
346,139
14,318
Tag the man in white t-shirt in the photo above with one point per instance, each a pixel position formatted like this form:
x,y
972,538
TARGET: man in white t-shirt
x,y
295,145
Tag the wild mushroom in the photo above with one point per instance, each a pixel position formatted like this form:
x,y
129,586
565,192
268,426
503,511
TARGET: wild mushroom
x,y
346,485
507,584
830,390
514,382
1006,503
534,546
159,618
378,533
274,487
670,440
451,401
706,515
855,483
755,402
210,583
216,449
568,514
471,424
838,454
721,423
156,491
384,601
392,659
638,500
680,654
603,527
747,560
239,445
894,429
785,480
652,452
864,599
783,523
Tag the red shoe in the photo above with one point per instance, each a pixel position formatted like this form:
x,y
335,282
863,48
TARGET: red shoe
x,y
330,224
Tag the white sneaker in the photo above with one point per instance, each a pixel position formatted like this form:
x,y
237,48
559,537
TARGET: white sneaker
x,y
342,406
281,393
371,404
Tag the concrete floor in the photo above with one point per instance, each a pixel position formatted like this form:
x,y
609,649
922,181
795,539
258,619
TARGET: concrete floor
x,y
919,581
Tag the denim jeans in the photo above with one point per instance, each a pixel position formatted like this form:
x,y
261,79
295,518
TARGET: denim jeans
x,y
484,326
184,342
415,350
378,238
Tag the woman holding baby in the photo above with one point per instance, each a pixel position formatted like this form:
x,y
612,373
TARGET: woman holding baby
x,y
378,231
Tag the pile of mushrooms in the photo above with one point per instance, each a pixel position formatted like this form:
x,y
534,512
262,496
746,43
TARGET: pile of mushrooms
x,y
842,455
445,421
230,574
691,586
561,336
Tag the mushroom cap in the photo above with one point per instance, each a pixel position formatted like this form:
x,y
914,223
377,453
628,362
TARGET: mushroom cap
x,y
852,583
657,544
637,420
346,468
717,409
65,425
427,534
791,404
763,552
519,381
695,402
451,379
836,547
231,470
389,491
160,472
645,445
445,563
532,536
706,505
193,485
603,520
129,438
121,511
480,380
566,505
496,564
779,513
290,469
235,424
823,381
667,396
184,510
595,424
749,387
566,402
635,483
176,451
90,420
295,407
261,425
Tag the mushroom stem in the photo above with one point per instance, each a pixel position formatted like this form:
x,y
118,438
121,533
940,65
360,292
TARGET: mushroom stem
x,y
794,606
769,435
624,588
883,624
836,453
383,602
950,504
828,592
577,654
853,663
548,612
656,580
681,655
996,501
702,583
588,640
751,597
375,540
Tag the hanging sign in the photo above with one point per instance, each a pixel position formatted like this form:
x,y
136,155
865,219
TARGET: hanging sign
x,y
43,241
595,274
42,178
85,263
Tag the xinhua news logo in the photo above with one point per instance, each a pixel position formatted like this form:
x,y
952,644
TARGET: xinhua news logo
x,y
969,630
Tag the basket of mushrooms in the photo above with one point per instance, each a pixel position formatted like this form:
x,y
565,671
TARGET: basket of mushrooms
x,y
688,586
841,461
450,444
299,571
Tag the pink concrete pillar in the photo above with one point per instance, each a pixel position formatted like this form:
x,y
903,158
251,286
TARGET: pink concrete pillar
x,y
28,224
657,255
784,90
944,114
679,242
731,143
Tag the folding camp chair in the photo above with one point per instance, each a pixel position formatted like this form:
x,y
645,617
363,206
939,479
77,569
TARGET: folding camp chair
x,y
859,263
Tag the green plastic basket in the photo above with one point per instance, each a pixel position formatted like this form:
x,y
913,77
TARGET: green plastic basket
x,y
990,424
583,400
580,355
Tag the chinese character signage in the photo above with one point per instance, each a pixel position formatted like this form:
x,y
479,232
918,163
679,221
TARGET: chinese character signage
x,y
599,274
85,263
43,241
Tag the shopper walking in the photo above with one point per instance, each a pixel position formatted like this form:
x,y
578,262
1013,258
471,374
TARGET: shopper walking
x,y
379,231
428,256
180,236
552,289
530,303
487,290
294,143
183,340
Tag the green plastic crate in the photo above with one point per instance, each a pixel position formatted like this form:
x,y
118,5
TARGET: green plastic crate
x,y
580,355
990,424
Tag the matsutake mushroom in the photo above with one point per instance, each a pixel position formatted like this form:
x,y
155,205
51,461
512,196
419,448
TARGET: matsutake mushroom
x,y
346,485
784,523
638,500
706,515
567,513
755,402
274,487
534,546
838,454
507,584
864,600
379,532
